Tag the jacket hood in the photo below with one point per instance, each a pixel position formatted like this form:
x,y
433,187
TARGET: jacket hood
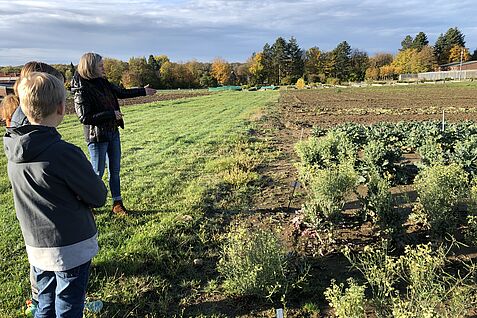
x,y
76,82
25,143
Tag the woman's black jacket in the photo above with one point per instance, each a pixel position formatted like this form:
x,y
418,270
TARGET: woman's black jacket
x,y
96,100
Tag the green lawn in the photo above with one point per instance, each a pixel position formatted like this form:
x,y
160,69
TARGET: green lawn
x,y
184,162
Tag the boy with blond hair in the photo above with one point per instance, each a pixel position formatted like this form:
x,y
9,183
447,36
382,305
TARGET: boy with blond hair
x,y
54,188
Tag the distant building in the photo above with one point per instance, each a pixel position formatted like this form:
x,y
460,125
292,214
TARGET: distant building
x,y
466,66
6,83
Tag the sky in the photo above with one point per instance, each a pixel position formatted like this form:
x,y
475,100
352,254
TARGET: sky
x,y
60,31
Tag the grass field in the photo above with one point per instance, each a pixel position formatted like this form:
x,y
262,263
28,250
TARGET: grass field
x,y
182,160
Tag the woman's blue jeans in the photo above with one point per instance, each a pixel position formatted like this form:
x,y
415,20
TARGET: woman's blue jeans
x,y
110,152
62,294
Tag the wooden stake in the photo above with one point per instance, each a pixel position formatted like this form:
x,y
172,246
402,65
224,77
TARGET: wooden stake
x,y
443,121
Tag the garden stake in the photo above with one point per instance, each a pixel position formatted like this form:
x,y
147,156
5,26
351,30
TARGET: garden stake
x,y
295,184
280,313
443,120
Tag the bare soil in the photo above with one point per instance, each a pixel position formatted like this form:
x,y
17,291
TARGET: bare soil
x,y
328,107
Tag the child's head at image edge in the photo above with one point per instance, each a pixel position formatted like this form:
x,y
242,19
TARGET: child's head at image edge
x,y
42,97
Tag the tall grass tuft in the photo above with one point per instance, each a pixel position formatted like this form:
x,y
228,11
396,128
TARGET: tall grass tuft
x,y
253,263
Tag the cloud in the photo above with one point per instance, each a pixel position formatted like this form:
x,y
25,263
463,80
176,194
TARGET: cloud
x,y
60,31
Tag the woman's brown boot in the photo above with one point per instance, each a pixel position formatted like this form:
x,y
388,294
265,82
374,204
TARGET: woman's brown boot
x,y
119,209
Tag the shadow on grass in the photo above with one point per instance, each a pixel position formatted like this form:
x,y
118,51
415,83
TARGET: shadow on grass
x,y
230,307
131,213
141,285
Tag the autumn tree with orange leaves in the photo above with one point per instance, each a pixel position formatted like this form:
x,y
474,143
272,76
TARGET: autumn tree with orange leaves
x,y
221,71
455,54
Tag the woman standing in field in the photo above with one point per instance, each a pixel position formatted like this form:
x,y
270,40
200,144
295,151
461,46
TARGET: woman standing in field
x,y
96,104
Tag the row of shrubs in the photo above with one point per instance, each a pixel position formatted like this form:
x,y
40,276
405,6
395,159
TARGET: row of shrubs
x,y
415,284
255,262
407,135
332,166
383,144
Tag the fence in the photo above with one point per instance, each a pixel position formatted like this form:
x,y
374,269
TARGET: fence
x,y
435,76
456,75
225,88
5,90
8,78
408,77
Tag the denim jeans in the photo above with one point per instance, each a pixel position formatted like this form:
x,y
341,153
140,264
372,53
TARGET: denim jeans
x,y
62,294
34,285
110,152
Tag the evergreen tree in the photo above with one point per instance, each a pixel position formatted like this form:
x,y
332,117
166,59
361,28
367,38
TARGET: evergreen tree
x,y
206,80
342,57
420,41
445,42
295,61
359,62
406,43
68,73
151,61
269,73
154,72
453,37
440,50
279,56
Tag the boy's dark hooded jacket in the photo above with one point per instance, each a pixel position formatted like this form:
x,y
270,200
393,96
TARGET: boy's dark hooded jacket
x,y
96,100
53,187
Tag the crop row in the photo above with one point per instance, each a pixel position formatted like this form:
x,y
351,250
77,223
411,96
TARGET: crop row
x,y
439,160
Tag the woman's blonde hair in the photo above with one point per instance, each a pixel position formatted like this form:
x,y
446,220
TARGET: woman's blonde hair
x,y
88,66
11,102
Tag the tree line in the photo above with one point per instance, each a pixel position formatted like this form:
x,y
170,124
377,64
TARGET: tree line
x,y
284,63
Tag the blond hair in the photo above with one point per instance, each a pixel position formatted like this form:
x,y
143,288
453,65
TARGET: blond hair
x,y
88,66
7,107
40,95
11,102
